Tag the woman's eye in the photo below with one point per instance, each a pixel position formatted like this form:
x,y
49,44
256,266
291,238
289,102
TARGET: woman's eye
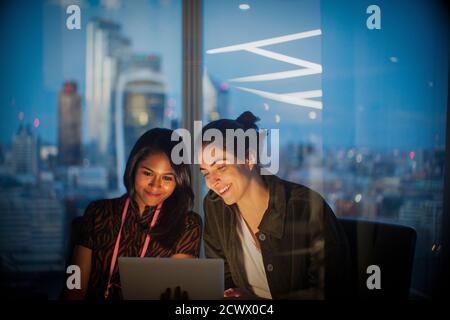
x,y
205,174
168,178
222,168
148,173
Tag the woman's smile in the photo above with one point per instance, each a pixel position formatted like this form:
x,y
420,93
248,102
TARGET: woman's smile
x,y
152,194
154,180
225,190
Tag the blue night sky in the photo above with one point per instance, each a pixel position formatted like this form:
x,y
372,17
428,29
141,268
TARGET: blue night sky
x,y
381,88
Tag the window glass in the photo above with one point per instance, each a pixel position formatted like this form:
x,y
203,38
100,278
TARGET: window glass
x,y
358,93
81,81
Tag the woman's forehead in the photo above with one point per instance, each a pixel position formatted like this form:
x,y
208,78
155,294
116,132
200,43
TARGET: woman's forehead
x,y
211,156
156,160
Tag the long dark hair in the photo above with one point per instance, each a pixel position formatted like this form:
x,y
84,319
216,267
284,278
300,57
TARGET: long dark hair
x,y
173,212
245,121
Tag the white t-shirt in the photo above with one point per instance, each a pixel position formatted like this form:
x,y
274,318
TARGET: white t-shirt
x,y
253,261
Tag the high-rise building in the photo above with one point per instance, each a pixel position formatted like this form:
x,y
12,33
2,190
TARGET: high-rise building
x,y
105,48
90,178
223,99
141,61
424,215
25,152
216,104
69,125
31,230
140,103
209,98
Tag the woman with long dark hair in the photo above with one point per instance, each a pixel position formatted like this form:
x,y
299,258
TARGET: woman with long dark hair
x,y
153,218
279,240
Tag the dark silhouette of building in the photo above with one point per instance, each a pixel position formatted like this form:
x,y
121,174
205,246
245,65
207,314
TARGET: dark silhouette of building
x,y
69,125
25,148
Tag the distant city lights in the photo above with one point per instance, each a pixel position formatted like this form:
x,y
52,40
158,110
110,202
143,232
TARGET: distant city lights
x,y
244,6
358,198
21,116
171,102
412,155
359,158
214,116
224,86
143,118
36,123
350,153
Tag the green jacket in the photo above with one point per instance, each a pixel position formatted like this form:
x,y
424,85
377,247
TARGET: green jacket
x,y
304,248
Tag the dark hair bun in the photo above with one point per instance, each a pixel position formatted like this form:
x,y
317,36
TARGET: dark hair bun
x,y
248,120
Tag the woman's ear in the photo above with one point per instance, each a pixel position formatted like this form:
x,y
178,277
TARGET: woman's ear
x,y
251,161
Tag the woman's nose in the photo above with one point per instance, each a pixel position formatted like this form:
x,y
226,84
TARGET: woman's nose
x,y
155,182
215,178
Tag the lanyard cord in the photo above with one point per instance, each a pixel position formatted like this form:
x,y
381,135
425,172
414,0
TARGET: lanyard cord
x,y
116,247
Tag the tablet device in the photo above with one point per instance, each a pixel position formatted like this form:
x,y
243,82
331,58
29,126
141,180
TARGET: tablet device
x,y
148,278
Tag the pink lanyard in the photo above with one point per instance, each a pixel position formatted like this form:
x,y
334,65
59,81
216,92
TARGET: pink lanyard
x,y
116,247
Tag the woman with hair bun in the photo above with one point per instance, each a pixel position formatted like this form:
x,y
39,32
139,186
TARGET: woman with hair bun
x,y
279,240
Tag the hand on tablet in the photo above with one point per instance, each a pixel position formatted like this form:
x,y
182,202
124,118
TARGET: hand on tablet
x,y
177,294
239,293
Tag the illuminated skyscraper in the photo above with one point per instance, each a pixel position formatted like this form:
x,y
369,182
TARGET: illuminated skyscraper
x,y
140,103
104,48
69,125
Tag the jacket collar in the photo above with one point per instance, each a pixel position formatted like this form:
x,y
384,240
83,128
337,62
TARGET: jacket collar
x,y
274,217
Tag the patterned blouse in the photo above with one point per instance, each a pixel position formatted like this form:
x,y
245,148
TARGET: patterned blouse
x,y
99,231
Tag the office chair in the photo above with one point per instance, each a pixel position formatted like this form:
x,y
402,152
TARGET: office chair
x,y
388,246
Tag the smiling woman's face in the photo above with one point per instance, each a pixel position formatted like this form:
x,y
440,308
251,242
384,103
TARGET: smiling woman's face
x,y
154,180
229,180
